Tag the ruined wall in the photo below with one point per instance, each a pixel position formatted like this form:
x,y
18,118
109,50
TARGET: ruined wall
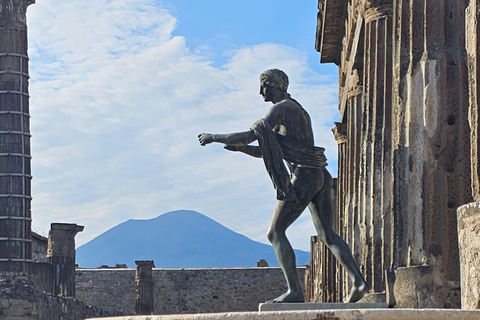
x,y
184,290
39,248
20,300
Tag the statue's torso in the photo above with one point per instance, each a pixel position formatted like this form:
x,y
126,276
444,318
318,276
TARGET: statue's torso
x,y
292,121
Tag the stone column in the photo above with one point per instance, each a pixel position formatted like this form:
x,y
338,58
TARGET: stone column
x,y
431,142
352,207
376,138
472,40
431,135
144,302
469,215
61,254
341,214
15,175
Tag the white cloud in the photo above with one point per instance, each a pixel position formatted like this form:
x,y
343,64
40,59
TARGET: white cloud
x,y
117,104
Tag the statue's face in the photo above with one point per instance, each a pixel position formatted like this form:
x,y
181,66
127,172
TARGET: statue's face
x,y
266,91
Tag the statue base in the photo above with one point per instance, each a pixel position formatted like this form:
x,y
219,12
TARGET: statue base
x,y
318,306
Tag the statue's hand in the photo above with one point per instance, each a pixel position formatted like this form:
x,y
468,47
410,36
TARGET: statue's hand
x,y
205,138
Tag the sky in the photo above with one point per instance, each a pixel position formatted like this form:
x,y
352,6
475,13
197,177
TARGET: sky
x,y
120,90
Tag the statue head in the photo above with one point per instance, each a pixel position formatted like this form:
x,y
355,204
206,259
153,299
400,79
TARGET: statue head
x,y
273,85
274,78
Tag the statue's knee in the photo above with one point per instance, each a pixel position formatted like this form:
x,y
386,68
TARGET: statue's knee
x,y
274,236
271,235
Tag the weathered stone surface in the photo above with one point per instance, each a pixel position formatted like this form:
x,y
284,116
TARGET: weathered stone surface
x,y
469,244
61,255
43,276
179,291
39,248
263,307
425,287
472,18
405,166
368,314
19,300
144,300
262,263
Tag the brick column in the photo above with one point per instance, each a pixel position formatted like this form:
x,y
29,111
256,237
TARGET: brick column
x,y
144,302
15,175
61,254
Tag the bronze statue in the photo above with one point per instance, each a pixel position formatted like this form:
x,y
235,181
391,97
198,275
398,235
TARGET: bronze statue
x,y
285,134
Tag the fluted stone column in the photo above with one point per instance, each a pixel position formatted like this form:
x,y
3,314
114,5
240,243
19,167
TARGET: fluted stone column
x,y
144,302
352,207
342,215
468,215
431,139
473,51
431,135
15,174
61,254
376,139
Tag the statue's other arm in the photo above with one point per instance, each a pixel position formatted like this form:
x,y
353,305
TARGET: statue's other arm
x,y
233,139
253,151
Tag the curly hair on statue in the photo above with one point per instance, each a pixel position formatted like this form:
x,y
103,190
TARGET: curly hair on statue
x,y
275,78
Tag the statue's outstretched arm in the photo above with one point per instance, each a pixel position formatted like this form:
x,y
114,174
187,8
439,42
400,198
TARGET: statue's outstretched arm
x,y
253,151
233,139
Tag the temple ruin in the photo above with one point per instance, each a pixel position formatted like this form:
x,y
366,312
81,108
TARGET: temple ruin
x,y
408,160
404,145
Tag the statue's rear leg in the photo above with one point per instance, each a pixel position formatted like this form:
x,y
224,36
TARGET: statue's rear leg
x,y
321,209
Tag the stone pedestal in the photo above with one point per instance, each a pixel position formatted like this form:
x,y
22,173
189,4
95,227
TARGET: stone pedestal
x,y
318,306
425,287
61,254
144,303
469,245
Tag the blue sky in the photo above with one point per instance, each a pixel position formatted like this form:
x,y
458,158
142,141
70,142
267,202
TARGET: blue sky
x,y
120,89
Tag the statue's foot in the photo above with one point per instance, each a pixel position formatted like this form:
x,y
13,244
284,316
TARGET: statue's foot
x,y
358,292
288,297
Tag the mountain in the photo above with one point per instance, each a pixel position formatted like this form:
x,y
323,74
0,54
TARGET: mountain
x,y
177,239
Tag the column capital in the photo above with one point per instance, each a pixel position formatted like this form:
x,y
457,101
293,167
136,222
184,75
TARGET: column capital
x,y
13,12
340,132
61,239
356,87
145,263
376,9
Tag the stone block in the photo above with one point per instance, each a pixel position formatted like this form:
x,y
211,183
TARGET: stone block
x,y
318,306
424,287
363,314
468,235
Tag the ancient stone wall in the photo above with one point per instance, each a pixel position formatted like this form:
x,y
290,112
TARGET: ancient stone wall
x,y
179,291
20,300
39,248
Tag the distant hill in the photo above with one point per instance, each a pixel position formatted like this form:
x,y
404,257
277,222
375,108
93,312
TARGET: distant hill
x,y
178,239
